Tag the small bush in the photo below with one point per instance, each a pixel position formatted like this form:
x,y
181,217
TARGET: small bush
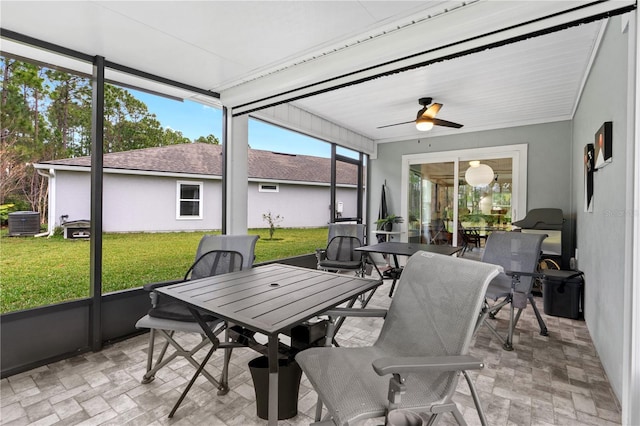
x,y
272,221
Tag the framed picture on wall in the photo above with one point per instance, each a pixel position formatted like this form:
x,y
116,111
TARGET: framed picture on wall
x,y
602,145
588,177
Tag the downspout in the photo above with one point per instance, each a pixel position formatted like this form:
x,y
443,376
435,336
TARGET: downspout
x,y
51,222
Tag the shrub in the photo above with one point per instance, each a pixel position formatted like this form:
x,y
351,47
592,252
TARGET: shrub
x,y
5,209
272,221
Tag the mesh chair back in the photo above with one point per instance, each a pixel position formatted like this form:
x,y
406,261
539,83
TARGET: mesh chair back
x,y
347,230
342,249
516,252
215,262
243,244
434,312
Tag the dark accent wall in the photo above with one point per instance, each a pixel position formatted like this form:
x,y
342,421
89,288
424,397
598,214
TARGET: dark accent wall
x,y
39,336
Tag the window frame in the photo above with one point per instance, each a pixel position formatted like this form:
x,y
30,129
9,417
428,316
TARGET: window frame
x,y
179,199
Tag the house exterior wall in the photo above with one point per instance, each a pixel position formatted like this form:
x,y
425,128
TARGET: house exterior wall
x,y
135,203
148,204
601,234
142,203
72,196
299,205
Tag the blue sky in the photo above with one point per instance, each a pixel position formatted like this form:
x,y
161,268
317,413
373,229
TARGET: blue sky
x,y
194,120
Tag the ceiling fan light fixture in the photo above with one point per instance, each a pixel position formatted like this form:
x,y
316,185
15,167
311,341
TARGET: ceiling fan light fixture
x,y
424,124
474,163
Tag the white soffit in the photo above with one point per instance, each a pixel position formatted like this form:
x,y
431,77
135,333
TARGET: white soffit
x,y
206,44
462,29
528,82
293,118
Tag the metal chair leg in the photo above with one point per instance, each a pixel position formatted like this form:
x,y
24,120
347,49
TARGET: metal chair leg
x,y
148,378
543,326
476,399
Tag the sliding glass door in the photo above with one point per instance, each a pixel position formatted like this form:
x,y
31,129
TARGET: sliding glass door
x,y
479,190
429,219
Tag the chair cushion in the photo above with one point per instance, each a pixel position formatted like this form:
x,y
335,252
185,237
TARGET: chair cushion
x,y
176,311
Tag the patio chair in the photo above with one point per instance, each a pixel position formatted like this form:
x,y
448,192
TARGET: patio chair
x,y
423,346
469,238
216,254
518,254
340,254
438,233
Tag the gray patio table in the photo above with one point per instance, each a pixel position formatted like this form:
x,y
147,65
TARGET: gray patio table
x,y
267,299
396,249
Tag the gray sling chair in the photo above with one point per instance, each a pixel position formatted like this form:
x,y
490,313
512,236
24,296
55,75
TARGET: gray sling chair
x,y
518,254
420,353
340,254
216,254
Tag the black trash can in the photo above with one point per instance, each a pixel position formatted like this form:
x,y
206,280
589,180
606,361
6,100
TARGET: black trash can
x,y
563,293
289,374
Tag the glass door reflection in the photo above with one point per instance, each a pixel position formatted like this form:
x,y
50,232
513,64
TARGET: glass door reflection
x,y
432,222
443,206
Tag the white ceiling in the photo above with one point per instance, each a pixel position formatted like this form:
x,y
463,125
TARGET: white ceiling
x,y
256,53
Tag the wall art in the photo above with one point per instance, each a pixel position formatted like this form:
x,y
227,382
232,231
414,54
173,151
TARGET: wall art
x,y
588,177
602,145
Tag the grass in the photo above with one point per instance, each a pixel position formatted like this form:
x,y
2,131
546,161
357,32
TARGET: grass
x,y
42,271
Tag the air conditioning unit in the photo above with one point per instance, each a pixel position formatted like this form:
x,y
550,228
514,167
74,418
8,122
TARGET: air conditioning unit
x,y
23,224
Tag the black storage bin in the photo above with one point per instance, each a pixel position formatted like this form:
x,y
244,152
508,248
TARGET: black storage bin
x,y
289,374
563,293
308,334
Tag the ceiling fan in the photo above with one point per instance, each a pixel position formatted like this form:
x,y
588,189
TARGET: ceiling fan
x,y
426,118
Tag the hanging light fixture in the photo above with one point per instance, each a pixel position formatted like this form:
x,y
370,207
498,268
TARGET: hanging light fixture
x,y
478,174
424,124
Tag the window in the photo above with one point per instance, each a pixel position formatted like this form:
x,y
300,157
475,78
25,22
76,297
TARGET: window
x,y
189,200
269,187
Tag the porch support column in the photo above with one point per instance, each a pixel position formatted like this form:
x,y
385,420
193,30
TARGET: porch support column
x,y
236,161
97,135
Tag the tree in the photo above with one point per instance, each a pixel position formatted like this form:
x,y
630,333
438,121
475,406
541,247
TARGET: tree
x,y
208,139
69,114
128,123
25,133
174,137
272,221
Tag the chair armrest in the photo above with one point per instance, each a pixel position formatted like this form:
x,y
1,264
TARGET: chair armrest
x,y
153,286
321,254
354,312
401,365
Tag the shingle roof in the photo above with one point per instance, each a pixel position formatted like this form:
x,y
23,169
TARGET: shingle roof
x,y
206,159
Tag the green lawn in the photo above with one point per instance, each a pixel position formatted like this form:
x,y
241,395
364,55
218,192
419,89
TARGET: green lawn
x,y
42,271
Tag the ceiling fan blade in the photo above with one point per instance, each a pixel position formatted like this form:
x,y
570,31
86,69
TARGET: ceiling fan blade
x,y
445,123
432,110
396,124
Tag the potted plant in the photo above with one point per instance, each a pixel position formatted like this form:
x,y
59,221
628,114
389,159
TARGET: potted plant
x,y
386,224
